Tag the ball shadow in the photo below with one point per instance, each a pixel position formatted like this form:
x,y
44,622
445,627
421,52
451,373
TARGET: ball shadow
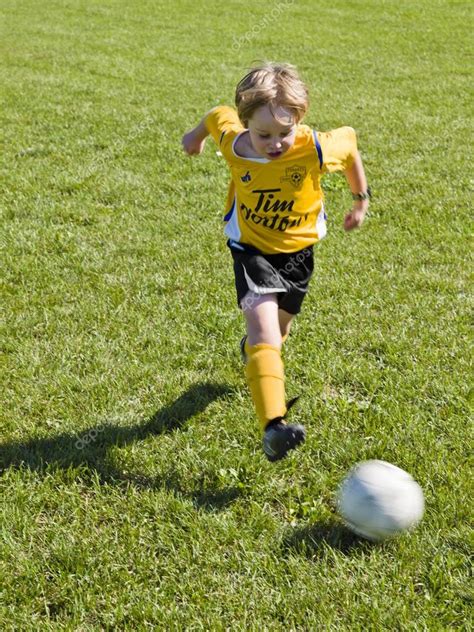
x,y
312,541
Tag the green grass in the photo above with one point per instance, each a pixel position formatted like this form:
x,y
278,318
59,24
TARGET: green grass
x,y
120,329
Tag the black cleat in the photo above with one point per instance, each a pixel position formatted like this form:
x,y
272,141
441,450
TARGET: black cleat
x,y
280,437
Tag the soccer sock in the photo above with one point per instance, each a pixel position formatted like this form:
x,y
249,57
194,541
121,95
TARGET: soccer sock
x,y
247,347
266,380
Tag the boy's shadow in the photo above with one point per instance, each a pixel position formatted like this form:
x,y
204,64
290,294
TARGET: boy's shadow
x,y
88,450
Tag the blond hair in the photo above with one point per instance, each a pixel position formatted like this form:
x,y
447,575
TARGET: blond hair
x,y
271,84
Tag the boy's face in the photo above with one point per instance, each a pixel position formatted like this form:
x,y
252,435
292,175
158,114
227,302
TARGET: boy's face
x,y
270,137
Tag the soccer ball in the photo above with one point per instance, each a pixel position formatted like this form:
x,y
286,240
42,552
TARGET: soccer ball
x,y
378,500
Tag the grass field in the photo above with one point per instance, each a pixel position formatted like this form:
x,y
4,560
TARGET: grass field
x,y
133,491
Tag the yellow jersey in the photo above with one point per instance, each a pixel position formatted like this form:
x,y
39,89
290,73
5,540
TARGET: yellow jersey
x,y
277,205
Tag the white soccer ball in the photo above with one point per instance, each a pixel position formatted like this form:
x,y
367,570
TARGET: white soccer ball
x,y
378,500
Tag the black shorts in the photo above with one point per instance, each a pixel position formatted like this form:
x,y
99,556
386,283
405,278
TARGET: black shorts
x,y
286,275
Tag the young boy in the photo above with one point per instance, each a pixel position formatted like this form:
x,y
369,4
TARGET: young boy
x,y
274,216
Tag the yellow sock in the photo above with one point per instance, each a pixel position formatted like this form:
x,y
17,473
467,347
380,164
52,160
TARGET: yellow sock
x,y
247,347
266,380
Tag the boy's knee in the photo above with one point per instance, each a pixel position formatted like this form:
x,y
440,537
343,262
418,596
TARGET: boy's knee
x,y
261,315
252,301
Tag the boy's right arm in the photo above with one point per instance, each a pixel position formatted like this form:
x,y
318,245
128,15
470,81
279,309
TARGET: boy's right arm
x,y
218,122
193,141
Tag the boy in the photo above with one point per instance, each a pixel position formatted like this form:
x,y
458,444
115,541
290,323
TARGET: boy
x,y
274,216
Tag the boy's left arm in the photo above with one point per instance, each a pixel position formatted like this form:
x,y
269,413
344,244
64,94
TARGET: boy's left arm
x,y
357,181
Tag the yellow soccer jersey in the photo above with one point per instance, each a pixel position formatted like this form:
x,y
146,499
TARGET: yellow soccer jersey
x,y
277,205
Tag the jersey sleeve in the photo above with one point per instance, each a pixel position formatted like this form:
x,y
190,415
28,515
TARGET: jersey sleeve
x,y
220,120
339,148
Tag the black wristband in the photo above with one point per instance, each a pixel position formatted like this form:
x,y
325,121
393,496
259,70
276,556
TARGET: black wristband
x,y
362,196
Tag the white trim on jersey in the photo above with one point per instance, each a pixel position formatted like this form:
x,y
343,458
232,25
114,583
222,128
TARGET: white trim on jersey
x,y
232,228
321,227
262,160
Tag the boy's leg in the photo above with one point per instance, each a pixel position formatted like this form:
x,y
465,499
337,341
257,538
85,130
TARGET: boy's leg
x,y
265,373
285,319
264,369
262,319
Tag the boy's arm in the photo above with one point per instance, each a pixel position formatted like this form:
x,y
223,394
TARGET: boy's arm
x,y
193,141
357,181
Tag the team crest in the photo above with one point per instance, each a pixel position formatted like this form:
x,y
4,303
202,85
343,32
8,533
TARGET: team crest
x,y
295,175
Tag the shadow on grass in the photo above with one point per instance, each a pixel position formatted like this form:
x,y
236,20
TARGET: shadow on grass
x,y
313,541
87,451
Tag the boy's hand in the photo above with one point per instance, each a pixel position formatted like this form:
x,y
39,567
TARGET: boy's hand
x,y
355,218
193,144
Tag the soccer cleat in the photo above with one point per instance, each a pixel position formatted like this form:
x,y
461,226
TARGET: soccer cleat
x,y
243,355
280,437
